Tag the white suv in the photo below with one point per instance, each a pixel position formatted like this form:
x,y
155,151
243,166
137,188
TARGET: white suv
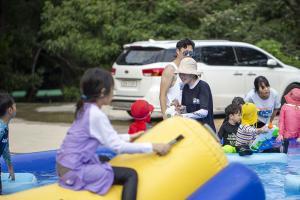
x,y
228,67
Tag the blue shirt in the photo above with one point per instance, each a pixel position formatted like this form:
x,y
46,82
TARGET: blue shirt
x,y
4,147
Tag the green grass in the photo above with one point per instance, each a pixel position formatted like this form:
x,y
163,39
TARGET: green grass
x,y
27,111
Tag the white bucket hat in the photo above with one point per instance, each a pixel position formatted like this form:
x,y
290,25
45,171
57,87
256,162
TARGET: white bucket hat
x,y
188,66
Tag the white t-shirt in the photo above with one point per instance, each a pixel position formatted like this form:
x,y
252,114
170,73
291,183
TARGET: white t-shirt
x,y
265,106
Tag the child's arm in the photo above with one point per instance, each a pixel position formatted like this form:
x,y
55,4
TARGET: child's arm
x,y
263,129
202,113
7,158
136,135
221,132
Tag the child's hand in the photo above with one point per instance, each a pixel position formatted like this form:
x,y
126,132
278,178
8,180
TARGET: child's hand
x,y
11,173
263,129
177,114
135,136
279,138
298,140
175,103
161,149
182,109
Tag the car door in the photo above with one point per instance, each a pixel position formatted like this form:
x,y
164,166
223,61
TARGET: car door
x,y
226,80
255,63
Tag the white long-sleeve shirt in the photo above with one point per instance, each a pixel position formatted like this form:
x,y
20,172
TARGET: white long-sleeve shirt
x,y
102,130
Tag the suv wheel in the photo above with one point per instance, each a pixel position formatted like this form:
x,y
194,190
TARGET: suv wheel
x,y
289,88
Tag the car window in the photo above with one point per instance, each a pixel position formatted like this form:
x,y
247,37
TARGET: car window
x,y
197,54
218,55
145,55
250,57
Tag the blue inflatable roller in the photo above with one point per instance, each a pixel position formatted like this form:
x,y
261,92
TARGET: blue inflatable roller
x,y
292,184
235,182
23,181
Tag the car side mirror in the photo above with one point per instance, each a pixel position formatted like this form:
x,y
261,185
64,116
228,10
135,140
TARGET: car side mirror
x,y
271,63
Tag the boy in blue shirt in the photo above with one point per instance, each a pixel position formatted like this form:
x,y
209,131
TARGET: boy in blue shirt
x,y
7,112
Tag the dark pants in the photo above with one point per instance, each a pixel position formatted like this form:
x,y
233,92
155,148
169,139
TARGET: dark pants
x,y
285,145
260,124
129,179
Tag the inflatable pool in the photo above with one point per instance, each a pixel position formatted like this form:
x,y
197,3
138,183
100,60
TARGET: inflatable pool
x,y
235,182
22,181
292,184
258,158
190,163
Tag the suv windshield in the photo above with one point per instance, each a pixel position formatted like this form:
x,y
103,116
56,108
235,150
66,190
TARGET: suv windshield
x,y
145,55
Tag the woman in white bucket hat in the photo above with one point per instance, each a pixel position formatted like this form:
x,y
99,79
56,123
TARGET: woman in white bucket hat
x,y
196,94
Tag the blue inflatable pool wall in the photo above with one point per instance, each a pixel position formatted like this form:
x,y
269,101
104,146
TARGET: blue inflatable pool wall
x,y
234,182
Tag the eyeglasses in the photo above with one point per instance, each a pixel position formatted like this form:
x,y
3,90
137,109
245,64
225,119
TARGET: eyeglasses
x,y
188,53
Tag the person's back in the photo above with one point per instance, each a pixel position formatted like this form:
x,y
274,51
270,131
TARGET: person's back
x,y
289,126
247,131
245,135
82,136
141,112
78,166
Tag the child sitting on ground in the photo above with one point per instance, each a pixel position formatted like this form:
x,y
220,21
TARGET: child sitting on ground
x,y
247,131
229,128
78,165
238,101
7,112
289,120
141,112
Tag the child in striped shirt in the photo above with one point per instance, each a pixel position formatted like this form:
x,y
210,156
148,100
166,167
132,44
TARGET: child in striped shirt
x,y
247,131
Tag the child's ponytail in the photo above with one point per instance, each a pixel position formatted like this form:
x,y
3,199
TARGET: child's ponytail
x,y
95,83
79,106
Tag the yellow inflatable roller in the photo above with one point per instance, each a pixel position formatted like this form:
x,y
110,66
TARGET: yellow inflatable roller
x,y
191,162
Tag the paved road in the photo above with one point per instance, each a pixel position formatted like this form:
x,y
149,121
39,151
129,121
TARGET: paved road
x,y
28,136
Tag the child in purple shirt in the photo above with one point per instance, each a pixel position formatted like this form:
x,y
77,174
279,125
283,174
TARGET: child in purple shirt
x,y
78,165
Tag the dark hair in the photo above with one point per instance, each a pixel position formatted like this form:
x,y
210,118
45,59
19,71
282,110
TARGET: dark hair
x,y
259,81
232,109
6,101
94,84
238,101
184,43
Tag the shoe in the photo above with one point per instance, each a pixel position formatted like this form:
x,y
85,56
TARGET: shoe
x,y
245,151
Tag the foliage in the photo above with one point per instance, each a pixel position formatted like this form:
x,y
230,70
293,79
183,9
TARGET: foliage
x,y
275,48
71,93
78,34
